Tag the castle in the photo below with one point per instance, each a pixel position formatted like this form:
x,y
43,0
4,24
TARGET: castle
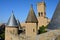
x,y
15,30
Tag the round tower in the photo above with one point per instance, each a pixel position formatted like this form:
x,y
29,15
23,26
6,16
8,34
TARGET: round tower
x,y
11,29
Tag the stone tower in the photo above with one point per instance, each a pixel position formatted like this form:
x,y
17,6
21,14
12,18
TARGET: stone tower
x,y
11,29
55,21
41,7
41,10
31,23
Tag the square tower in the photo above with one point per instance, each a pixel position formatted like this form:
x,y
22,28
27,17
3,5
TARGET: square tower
x,y
42,19
31,23
41,7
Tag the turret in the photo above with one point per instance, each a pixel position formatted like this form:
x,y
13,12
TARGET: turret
x,y
11,29
31,23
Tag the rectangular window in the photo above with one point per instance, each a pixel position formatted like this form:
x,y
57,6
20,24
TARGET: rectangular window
x,y
33,30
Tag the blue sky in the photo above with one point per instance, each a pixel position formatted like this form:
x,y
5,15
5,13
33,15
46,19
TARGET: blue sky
x,y
22,7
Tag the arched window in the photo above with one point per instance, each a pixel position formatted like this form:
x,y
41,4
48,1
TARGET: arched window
x,y
41,13
38,13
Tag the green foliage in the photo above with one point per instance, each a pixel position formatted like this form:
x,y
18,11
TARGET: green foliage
x,y
2,32
42,29
2,35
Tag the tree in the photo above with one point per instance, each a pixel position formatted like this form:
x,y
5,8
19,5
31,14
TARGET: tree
x,y
42,29
2,32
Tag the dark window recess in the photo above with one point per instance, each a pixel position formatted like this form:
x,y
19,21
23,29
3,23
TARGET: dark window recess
x,y
33,30
24,30
39,14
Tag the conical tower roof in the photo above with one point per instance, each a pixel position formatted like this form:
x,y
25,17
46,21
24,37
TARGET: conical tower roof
x,y
31,18
12,21
55,22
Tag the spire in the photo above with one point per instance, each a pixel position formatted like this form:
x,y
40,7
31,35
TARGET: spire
x,y
55,22
12,21
31,18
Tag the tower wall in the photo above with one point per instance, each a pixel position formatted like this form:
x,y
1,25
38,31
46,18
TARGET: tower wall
x,y
41,9
42,19
10,33
30,29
